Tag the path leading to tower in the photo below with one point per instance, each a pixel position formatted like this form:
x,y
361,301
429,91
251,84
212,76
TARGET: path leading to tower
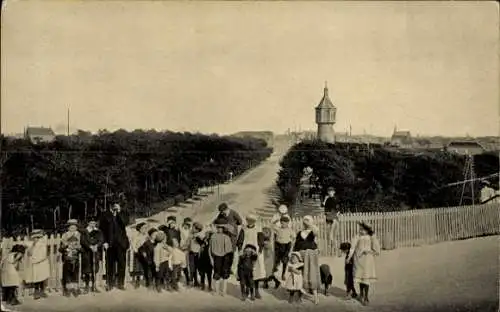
x,y
453,276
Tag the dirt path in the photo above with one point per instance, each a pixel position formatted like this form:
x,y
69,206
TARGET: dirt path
x,y
454,276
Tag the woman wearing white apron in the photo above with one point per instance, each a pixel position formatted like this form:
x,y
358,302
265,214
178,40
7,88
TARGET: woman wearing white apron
x,y
251,234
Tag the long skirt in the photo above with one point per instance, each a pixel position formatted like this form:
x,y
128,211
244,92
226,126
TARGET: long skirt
x,y
311,276
137,269
364,269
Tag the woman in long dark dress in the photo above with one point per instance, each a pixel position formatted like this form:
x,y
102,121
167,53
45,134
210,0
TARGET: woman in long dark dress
x,y
305,243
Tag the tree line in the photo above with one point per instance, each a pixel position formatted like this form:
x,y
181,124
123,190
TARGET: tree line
x,y
374,178
75,176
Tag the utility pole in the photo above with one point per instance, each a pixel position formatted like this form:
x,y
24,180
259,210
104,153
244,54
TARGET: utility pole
x,y
67,130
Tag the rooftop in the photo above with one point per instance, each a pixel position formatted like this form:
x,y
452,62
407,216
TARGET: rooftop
x,y
325,101
39,131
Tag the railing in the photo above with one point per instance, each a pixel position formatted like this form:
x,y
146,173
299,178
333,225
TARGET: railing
x,y
394,229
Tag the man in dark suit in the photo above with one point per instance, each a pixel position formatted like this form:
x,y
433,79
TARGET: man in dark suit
x,y
116,243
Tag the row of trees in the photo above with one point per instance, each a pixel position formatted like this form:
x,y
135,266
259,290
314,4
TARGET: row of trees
x,y
45,184
375,178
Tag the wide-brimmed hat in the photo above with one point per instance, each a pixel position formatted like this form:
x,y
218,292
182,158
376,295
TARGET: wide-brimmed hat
x,y
72,222
308,219
117,206
297,254
366,227
187,220
283,209
37,233
171,219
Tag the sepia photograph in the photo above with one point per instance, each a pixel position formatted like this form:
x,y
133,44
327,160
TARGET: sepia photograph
x,y
249,156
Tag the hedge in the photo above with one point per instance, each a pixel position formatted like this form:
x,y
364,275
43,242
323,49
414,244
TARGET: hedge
x,y
42,182
375,178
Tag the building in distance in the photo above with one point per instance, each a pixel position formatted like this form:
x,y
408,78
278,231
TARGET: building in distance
x,y
39,134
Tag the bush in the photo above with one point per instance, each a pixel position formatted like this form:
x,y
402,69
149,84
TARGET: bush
x,y
137,169
377,178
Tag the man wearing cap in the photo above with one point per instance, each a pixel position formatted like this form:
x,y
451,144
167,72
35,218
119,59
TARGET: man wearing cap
x,y
116,243
91,241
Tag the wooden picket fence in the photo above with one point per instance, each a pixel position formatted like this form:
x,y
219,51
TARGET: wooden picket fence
x,y
394,230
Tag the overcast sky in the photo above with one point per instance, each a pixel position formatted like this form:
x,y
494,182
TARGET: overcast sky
x,y
431,68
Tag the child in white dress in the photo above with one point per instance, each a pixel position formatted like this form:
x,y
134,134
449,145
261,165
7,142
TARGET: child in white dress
x,y
11,279
293,277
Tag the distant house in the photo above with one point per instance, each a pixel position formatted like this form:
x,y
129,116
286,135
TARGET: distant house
x,y
40,134
402,139
465,147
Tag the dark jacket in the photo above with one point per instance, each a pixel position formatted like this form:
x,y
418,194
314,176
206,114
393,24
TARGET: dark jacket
x,y
90,260
114,229
246,263
171,233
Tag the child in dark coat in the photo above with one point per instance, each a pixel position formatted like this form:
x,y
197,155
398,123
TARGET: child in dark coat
x,y
349,272
205,267
146,252
71,249
246,263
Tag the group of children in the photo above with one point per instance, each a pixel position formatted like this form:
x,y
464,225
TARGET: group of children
x,y
202,254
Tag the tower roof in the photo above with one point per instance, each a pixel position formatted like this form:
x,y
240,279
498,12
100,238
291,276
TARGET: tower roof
x,y
325,101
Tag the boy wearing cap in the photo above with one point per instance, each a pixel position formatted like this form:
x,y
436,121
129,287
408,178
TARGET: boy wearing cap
x,y
146,250
91,241
70,249
246,263
221,255
38,268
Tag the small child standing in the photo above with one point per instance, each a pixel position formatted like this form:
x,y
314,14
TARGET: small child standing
x,y
349,272
147,251
71,250
184,242
246,263
283,239
11,279
161,257
177,263
221,255
140,238
205,267
293,277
